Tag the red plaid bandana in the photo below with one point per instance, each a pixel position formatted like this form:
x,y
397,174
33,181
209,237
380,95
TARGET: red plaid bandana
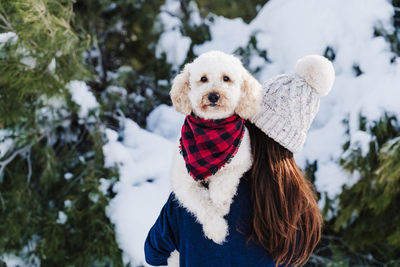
x,y
207,145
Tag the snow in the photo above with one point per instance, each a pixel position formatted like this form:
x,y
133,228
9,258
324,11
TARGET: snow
x,y
12,260
125,69
166,122
68,176
360,140
287,30
94,197
6,143
313,26
137,155
177,50
226,35
117,90
25,257
105,185
62,217
388,148
82,96
52,66
143,160
7,36
162,82
171,41
30,62
136,97
68,204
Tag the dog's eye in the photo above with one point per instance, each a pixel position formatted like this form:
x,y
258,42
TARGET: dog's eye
x,y
203,79
226,79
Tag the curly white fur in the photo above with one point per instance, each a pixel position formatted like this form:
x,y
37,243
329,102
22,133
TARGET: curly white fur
x,y
240,95
173,260
209,206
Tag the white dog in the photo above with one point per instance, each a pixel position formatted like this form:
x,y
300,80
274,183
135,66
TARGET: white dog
x,y
214,86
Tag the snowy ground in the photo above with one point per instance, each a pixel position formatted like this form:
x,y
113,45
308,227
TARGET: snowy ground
x,y
288,30
144,160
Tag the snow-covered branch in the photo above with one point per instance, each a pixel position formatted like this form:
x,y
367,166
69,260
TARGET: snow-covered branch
x,y
8,160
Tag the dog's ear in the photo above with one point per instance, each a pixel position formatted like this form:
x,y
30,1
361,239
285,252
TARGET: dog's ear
x,y
250,98
179,91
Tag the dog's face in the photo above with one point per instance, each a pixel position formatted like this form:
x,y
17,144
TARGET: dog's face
x,y
214,86
215,82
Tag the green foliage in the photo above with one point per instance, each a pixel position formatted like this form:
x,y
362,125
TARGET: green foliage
x,y
329,53
252,50
361,224
123,50
31,206
52,211
246,10
367,214
393,38
198,34
124,36
42,37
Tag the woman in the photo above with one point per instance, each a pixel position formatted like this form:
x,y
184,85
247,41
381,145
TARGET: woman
x,y
274,218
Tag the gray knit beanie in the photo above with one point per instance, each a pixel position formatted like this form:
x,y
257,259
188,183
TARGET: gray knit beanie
x,y
290,102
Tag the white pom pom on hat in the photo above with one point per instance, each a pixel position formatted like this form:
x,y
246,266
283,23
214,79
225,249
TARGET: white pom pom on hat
x,y
318,72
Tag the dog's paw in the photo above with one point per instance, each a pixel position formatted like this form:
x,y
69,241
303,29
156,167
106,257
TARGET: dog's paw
x,y
173,260
216,229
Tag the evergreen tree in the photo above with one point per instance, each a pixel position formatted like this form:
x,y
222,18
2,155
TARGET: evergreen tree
x,y
52,211
368,216
246,10
130,78
122,54
362,229
394,37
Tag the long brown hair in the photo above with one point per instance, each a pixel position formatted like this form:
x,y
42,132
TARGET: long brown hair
x,y
286,220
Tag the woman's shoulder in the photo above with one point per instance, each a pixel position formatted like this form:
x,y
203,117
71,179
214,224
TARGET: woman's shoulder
x,y
172,203
176,209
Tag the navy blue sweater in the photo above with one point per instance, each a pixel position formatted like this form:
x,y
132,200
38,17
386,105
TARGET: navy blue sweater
x,y
177,229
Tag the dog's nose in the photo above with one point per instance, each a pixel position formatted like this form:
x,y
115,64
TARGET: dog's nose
x,y
213,97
